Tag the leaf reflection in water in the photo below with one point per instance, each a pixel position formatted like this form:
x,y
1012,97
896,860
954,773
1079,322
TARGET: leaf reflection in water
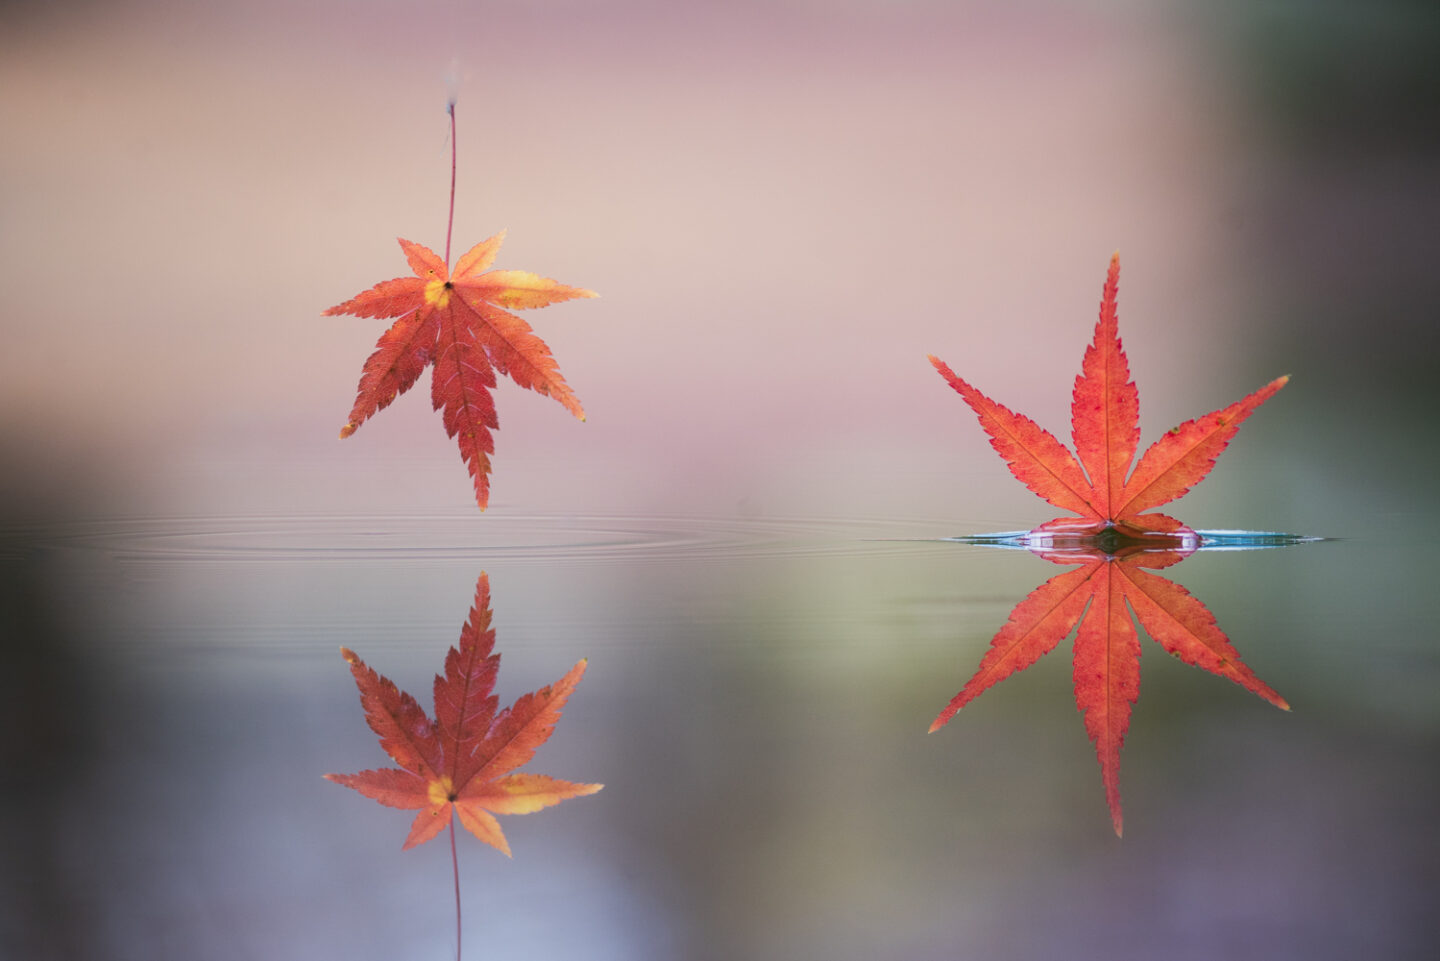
x,y
1112,571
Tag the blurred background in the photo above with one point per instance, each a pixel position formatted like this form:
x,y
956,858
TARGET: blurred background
x,y
785,206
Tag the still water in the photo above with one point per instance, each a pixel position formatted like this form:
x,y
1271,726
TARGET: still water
x,y
756,705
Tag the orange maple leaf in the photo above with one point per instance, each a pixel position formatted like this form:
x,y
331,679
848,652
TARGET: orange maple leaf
x,y
1107,649
1105,427
458,322
461,762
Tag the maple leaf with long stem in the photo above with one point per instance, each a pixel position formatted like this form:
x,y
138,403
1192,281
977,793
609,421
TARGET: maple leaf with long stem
x,y
461,763
1107,649
458,322
1105,427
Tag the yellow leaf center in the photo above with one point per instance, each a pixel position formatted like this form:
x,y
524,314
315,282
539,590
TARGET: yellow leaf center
x,y
441,791
437,294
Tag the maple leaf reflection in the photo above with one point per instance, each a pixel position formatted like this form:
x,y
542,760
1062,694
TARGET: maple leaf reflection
x,y
462,761
1113,569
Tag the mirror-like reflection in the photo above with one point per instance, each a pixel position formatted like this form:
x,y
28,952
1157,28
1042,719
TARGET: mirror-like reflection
x,y
463,762
1114,570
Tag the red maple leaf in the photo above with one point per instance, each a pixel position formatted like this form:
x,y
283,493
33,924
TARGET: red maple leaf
x,y
461,762
458,322
1107,649
1105,427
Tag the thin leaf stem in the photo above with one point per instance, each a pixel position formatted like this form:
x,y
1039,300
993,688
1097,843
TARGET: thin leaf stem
x,y
455,863
450,223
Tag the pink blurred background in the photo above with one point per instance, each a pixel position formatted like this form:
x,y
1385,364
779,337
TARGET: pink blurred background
x,y
785,208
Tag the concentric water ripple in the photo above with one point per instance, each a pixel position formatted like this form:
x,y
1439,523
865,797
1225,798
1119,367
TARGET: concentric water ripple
x,y
1212,540
435,537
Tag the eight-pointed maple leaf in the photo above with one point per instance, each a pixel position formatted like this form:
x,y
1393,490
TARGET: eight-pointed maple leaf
x,y
461,762
1107,649
459,323
1105,427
